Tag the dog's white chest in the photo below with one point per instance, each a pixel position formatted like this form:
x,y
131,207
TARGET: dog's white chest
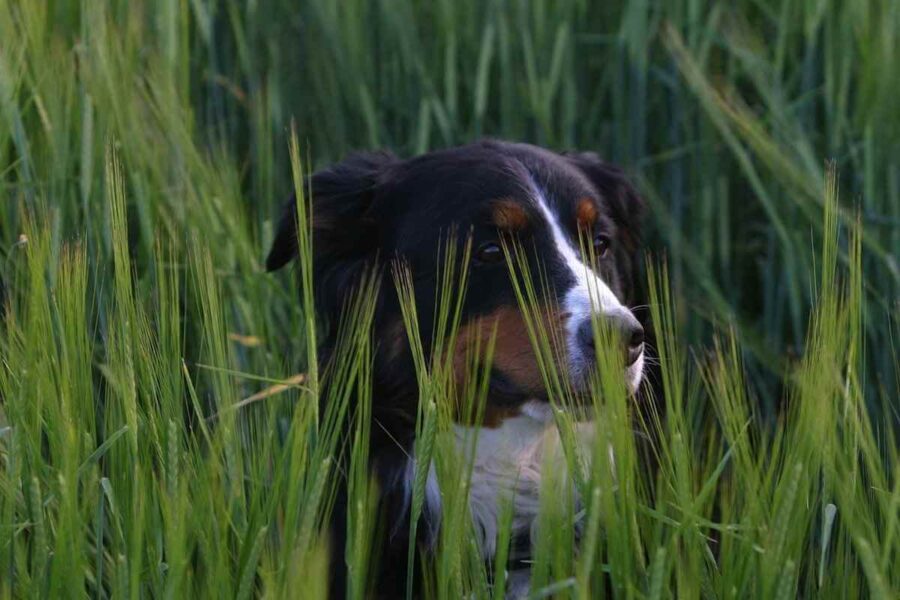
x,y
510,465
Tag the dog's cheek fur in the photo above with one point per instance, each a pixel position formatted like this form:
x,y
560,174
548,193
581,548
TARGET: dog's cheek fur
x,y
513,357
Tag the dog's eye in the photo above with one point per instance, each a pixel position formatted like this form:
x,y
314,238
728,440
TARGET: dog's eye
x,y
489,253
601,245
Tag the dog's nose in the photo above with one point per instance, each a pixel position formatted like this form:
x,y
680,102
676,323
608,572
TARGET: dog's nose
x,y
630,331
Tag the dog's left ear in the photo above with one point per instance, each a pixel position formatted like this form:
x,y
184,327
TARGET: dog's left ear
x,y
342,196
626,204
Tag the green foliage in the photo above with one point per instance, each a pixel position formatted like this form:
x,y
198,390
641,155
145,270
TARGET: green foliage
x,y
165,431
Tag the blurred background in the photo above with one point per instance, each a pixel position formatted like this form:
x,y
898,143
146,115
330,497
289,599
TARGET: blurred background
x,y
726,113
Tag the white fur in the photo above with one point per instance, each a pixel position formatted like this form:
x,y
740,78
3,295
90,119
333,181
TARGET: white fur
x,y
508,461
508,464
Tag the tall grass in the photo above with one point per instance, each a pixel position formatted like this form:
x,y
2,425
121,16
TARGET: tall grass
x,y
726,114
163,429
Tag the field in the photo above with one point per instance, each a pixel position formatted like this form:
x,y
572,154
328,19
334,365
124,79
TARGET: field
x,y
160,434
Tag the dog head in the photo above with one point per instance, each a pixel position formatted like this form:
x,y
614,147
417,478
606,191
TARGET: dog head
x,y
559,208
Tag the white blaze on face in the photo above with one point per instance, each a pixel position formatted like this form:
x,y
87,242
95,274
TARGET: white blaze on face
x,y
589,295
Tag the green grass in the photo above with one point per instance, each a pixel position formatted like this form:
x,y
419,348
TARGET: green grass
x,y
145,151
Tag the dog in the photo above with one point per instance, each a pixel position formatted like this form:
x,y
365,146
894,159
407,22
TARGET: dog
x,y
374,207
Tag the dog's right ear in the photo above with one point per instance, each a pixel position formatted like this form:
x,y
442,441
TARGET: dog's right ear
x,y
341,197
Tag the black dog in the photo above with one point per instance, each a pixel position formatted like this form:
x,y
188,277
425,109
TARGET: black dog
x,y
376,206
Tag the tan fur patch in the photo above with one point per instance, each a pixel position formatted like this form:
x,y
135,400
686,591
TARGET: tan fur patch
x,y
513,355
509,215
586,213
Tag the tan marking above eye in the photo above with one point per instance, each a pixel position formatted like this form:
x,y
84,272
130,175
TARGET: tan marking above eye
x,y
586,213
509,214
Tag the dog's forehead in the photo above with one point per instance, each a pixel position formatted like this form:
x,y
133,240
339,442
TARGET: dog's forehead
x,y
458,176
464,186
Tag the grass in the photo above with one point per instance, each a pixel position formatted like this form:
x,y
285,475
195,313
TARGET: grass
x,y
145,448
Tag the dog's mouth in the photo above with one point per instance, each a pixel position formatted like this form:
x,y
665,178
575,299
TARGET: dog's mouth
x,y
578,397
506,393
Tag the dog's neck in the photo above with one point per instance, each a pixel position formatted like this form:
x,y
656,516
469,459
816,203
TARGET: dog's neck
x,y
509,464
